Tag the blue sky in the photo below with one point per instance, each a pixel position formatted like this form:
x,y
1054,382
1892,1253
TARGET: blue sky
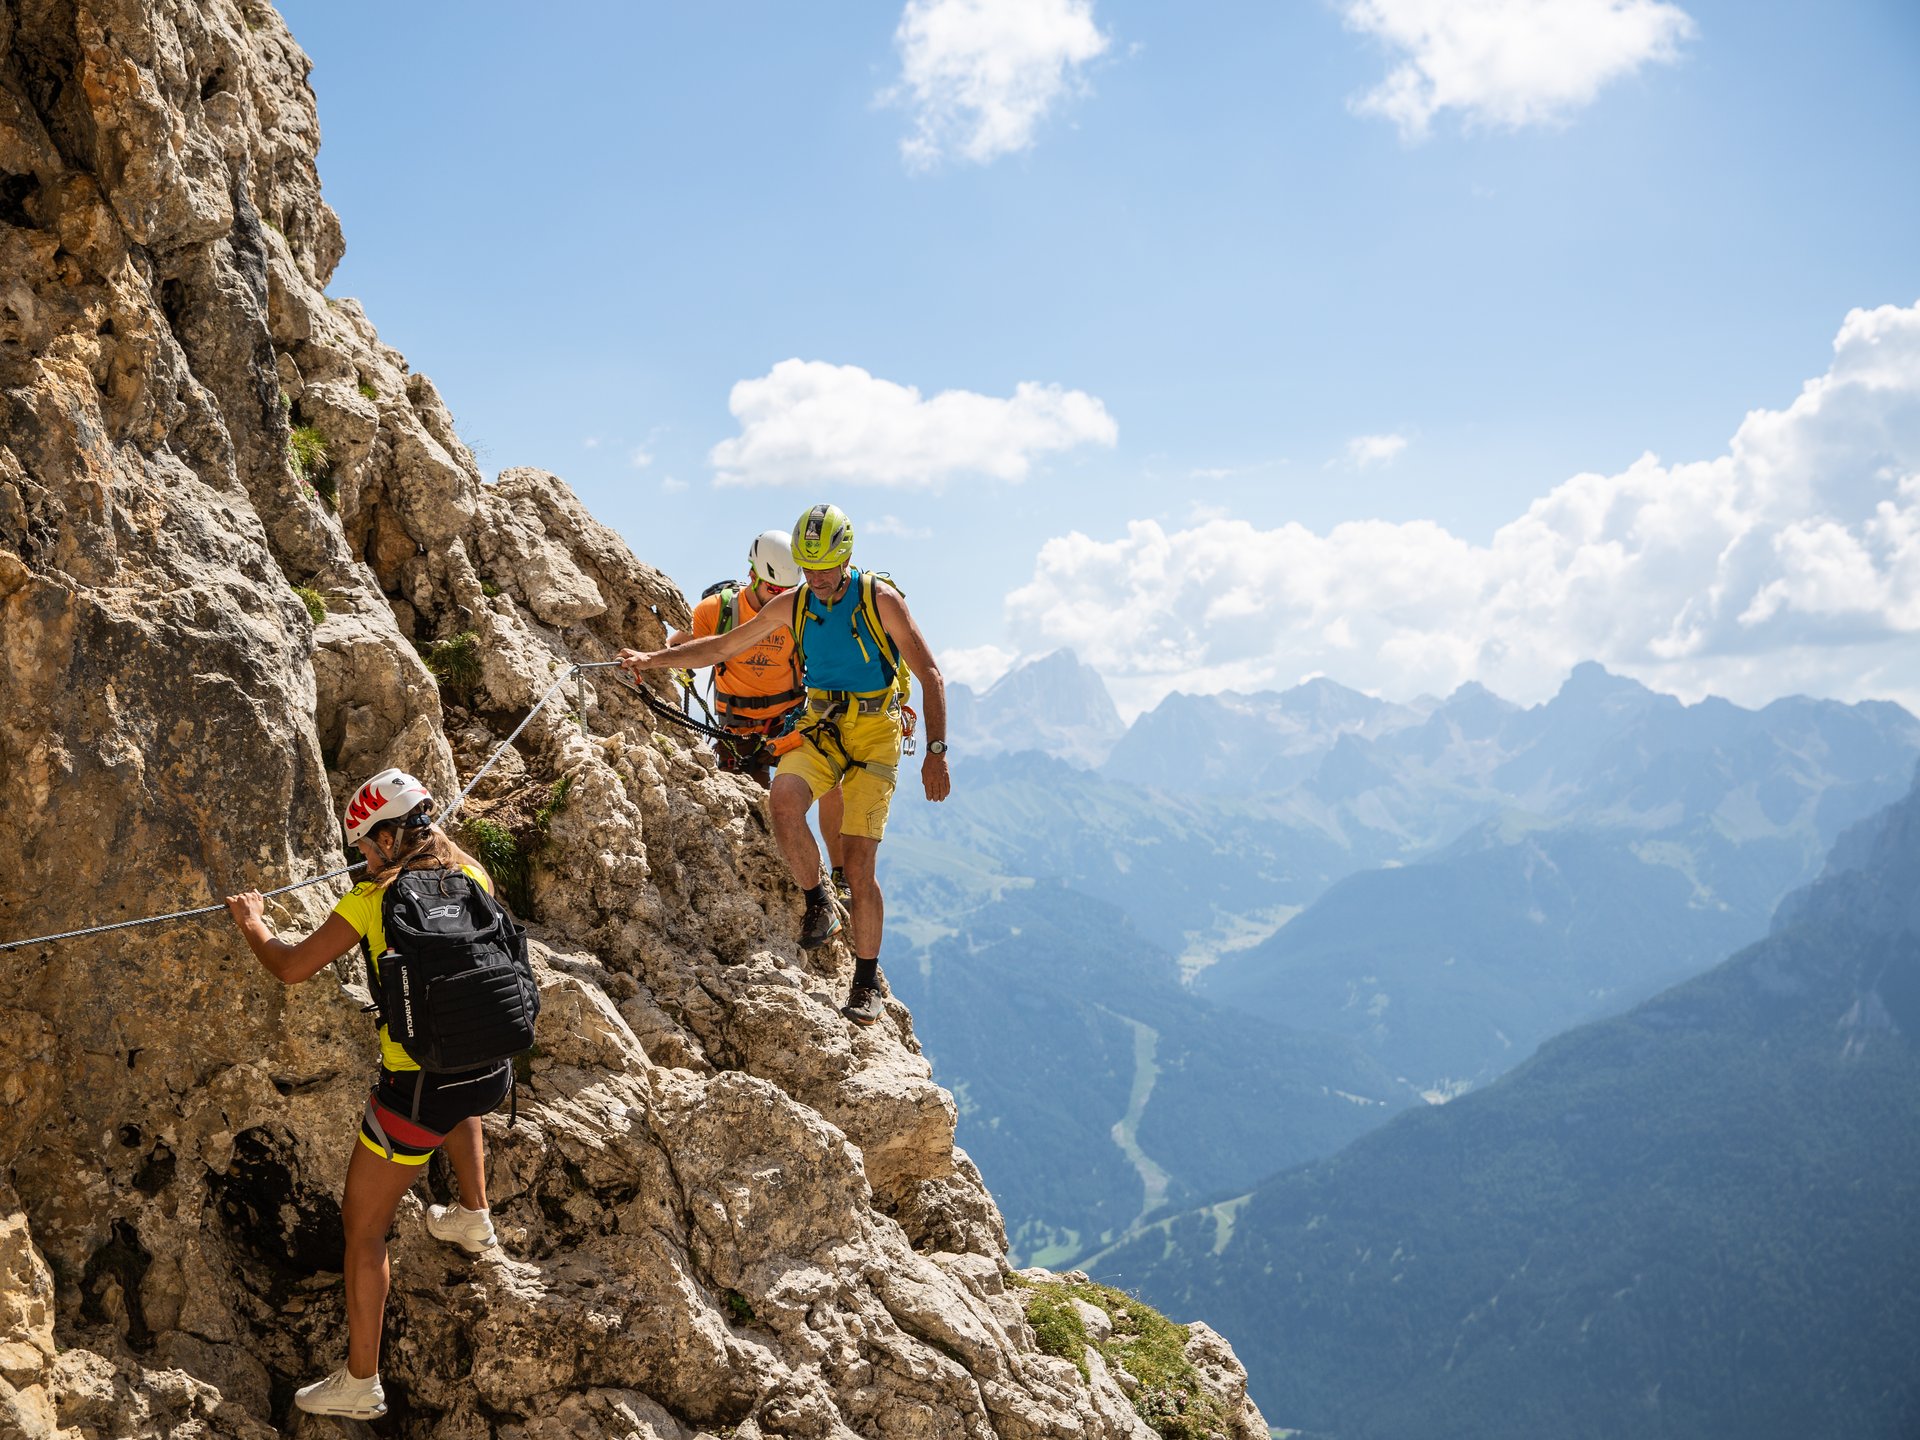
x,y
1269,322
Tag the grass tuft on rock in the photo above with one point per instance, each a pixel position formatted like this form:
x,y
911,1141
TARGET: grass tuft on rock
x,y
1057,1327
1147,1345
556,801
455,663
315,602
495,847
307,454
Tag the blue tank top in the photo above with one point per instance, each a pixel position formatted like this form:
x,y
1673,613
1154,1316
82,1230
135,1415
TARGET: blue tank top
x,y
841,649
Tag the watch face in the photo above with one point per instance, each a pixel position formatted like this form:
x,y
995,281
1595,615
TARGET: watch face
x,y
936,747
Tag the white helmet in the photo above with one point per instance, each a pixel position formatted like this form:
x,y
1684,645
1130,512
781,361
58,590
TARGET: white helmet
x,y
390,795
770,559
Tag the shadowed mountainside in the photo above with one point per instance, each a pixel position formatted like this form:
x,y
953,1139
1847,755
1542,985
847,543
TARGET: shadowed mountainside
x,y
1692,1219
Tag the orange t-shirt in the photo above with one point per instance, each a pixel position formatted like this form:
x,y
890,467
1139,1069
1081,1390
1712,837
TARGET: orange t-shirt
x,y
759,683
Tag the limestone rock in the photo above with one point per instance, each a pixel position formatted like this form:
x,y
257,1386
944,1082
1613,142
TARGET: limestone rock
x,y
1210,1354
723,1210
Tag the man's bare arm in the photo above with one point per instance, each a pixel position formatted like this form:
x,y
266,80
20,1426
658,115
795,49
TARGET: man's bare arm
x,y
918,654
712,649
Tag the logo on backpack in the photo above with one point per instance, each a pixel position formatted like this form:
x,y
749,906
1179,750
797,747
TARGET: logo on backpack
x,y
456,989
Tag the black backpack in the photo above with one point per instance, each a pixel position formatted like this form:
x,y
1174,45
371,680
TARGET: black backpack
x,y
456,989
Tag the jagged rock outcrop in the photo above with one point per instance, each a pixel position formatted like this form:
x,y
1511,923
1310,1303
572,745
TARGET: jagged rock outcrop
x,y
724,1212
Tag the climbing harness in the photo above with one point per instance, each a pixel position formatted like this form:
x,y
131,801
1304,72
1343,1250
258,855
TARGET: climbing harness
x,y
573,672
825,709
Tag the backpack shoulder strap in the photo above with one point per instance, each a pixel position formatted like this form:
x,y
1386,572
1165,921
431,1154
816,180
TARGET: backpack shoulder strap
x,y
871,610
799,628
727,596
370,975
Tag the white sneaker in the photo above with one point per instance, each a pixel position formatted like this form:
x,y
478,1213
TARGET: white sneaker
x,y
340,1394
471,1230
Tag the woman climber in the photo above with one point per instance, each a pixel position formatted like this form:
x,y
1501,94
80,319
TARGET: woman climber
x,y
410,1112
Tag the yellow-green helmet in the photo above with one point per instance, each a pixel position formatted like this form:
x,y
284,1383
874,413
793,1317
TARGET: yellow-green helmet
x,y
823,538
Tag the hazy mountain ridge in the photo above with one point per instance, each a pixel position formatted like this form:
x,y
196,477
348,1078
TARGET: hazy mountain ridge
x,y
1054,705
1659,837
1691,1219
1666,835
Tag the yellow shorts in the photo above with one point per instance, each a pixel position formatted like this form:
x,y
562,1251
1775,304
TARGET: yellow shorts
x,y
867,788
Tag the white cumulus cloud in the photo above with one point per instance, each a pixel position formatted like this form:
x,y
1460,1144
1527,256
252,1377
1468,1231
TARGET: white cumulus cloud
x,y
1509,63
807,421
1365,450
1791,562
893,525
980,75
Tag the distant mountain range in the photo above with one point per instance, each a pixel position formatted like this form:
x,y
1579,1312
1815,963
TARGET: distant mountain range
x,y
1642,840
1404,900
1695,1219
1054,705
1232,743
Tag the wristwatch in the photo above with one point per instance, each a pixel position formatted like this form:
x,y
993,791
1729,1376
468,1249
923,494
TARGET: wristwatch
x,y
936,747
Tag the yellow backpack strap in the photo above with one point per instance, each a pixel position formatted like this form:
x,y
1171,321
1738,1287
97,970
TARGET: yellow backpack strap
x,y
799,628
888,650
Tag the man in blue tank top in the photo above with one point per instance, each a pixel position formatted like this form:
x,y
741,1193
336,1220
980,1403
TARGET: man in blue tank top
x,y
855,637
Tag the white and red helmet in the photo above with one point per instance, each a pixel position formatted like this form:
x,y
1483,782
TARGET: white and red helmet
x,y
390,795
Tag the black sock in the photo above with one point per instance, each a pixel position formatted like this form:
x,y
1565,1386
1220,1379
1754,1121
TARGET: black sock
x,y
815,894
866,972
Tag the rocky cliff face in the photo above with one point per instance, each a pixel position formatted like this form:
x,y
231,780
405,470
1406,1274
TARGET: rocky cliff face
x,y
724,1212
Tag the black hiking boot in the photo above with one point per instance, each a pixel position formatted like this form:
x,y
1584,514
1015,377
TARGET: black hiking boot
x,y
863,1005
838,881
820,922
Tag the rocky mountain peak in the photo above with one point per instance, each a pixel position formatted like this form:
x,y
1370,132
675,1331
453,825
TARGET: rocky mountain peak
x,y
246,561
1591,683
1053,704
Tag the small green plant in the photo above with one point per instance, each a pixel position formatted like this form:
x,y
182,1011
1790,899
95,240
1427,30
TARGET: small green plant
x,y
556,802
307,449
495,847
1144,1343
1057,1327
455,663
367,392
489,589
307,453
315,602
738,1307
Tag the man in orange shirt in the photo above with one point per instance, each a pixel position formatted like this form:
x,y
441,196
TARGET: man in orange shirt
x,y
758,693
